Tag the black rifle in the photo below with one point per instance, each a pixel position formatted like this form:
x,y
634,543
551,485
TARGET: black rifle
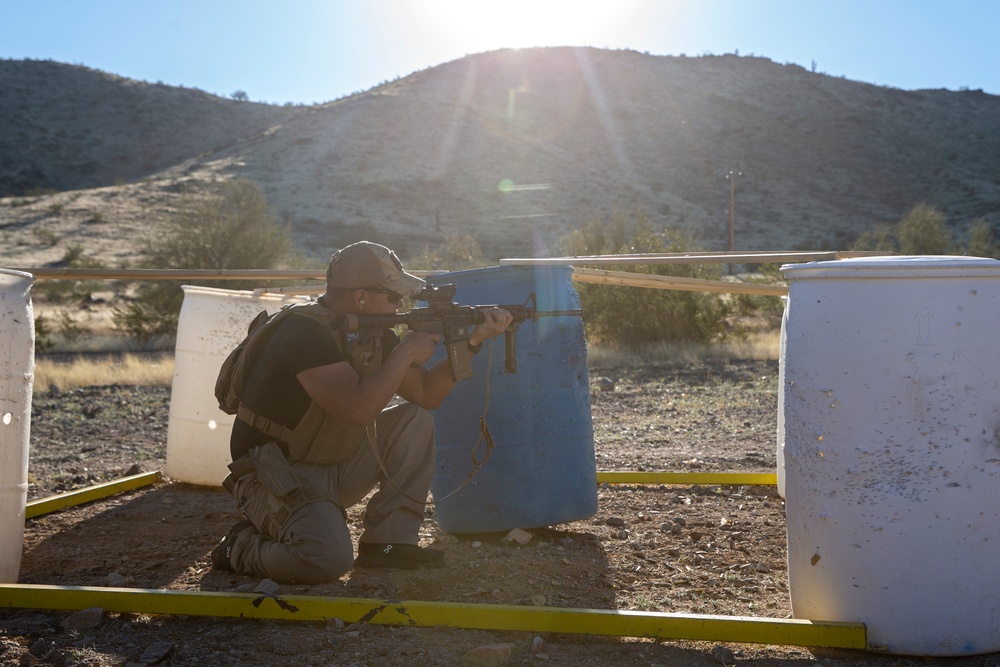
x,y
445,317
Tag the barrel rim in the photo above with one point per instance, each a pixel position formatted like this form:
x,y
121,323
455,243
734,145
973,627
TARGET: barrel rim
x,y
17,274
256,294
895,265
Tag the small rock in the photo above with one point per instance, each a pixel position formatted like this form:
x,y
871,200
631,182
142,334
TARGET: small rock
x,y
723,655
116,580
537,644
476,544
267,587
537,600
41,648
517,535
134,469
490,654
615,521
445,538
606,384
156,652
84,619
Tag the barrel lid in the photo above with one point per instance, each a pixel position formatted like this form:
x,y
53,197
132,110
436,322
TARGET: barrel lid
x,y
896,266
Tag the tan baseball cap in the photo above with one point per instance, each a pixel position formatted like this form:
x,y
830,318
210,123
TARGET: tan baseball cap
x,y
369,265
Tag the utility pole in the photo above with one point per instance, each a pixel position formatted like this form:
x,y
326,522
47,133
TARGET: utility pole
x,y
732,213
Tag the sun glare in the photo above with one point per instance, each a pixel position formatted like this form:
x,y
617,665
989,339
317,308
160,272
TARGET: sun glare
x,y
473,27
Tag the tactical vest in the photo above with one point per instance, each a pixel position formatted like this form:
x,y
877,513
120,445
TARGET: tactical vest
x,y
319,437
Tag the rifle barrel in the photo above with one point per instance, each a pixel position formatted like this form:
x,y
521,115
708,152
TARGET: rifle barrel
x,y
560,313
361,321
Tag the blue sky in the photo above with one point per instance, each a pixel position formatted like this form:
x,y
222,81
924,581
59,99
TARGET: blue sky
x,y
308,51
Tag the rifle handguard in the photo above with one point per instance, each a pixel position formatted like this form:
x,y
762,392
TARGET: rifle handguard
x,y
443,316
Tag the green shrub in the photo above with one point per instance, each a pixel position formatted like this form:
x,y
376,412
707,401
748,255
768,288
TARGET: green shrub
x,y
70,329
924,230
763,310
231,229
982,240
452,253
882,238
635,316
43,335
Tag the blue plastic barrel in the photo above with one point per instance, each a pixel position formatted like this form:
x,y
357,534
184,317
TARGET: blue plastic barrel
x,y
542,469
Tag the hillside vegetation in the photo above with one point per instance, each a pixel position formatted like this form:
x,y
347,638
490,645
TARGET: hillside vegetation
x,y
516,148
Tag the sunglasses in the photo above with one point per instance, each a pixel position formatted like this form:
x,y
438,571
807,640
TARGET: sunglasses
x,y
393,297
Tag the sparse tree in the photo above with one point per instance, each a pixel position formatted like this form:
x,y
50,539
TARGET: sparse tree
x,y
240,96
231,229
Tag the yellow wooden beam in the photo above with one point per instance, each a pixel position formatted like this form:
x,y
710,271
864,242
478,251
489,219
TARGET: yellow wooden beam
x,y
658,625
630,477
80,496
51,504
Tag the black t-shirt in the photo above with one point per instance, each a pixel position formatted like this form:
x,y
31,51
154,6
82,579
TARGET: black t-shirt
x,y
272,389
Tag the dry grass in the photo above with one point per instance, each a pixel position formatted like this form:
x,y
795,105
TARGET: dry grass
x,y
85,372
158,370
759,346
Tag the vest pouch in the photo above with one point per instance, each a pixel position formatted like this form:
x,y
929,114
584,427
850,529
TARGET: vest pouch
x,y
319,438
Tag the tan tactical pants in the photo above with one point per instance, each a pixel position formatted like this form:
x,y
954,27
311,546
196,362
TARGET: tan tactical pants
x,y
314,544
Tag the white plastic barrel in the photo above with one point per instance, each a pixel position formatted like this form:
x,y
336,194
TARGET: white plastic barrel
x,y
17,368
212,323
891,398
780,458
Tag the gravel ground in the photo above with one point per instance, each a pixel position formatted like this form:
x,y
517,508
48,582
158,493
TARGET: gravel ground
x,y
683,549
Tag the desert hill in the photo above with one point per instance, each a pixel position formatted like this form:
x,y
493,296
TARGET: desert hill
x,y
515,147
68,127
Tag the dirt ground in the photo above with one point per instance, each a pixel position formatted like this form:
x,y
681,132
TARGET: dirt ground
x,y
688,549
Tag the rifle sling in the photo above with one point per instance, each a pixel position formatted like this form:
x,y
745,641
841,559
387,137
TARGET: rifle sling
x,y
484,436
